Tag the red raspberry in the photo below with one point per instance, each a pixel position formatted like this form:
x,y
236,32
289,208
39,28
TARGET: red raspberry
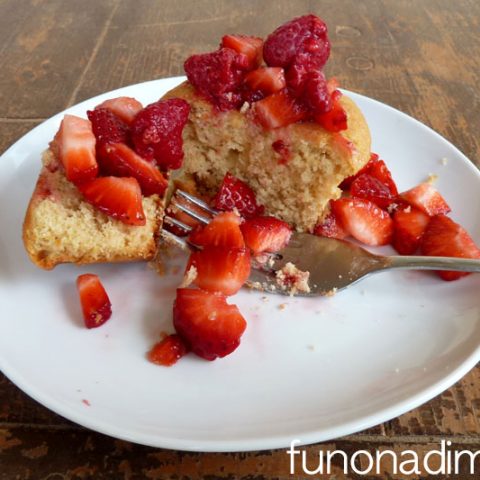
x,y
157,132
302,35
315,93
218,76
107,127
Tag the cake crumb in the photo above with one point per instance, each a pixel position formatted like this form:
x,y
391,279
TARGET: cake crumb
x,y
444,161
244,108
265,299
282,306
189,277
291,279
331,292
311,347
432,178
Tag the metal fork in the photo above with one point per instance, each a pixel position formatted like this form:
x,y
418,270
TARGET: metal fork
x,y
332,265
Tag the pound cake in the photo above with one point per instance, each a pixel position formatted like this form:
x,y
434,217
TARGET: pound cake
x,y
273,121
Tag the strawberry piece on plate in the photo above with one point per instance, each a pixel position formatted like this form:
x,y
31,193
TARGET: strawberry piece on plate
x,y
121,161
368,187
123,107
266,79
445,238
96,306
221,270
235,194
118,197
409,227
265,234
168,351
222,231
209,325
331,227
75,144
364,220
278,110
426,198
251,47
345,185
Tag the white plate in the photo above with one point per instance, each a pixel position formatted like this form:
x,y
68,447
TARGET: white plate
x,y
316,370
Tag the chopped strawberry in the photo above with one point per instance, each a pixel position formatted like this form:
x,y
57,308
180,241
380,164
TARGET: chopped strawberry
x,y
426,198
265,234
278,110
316,95
445,238
330,227
342,145
107,127
266,79
364,220
366,186
75,144
96,306
168,351
333,120
222,231
121,161
251,47
118,197
209,325
345,185
409,227
235,194
124,107
220,269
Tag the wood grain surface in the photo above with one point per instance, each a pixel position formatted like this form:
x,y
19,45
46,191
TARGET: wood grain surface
x,y
421,57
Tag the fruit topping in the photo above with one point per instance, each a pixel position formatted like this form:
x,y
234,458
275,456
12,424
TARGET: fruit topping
x,y
426,198
107,127
330,227
364,220
278,110
316,95
168,351
409,227
121,161
157,132
251,47
74,144
266,79
208,324
118,197
96,306
265,234
123,107
218,75
235,194
333,120
220,269
300,37
370,188
222,231
445,238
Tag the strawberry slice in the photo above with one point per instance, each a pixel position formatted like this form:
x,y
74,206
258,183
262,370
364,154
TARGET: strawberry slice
x,y
445,238
75,144
107,127
96,306
335,120
265,234
278,110
364,220
379,170
251,47
426,198
235,194
222,231
331,227
121,161
409,227
120,198
221,270
345,185
124,107
168,351
368,187
266,79
209,325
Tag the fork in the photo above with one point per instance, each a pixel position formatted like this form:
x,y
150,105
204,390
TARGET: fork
x,y
332,264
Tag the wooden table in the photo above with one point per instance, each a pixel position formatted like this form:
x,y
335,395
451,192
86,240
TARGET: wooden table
x,y
421,57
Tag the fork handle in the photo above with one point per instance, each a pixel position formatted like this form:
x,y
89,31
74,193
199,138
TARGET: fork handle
x,y
434,263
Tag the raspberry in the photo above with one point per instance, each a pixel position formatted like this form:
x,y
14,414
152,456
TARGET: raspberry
x,y
157,132
302,35
107,127
315,93
218,75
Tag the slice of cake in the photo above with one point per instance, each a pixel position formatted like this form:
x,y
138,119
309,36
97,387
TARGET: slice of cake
x,y
264,112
